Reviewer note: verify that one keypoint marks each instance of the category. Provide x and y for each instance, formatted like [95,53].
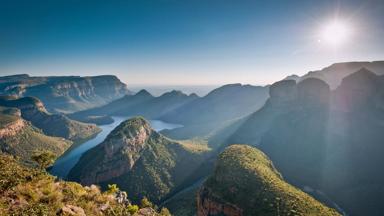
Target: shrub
[43,158]
[145,203]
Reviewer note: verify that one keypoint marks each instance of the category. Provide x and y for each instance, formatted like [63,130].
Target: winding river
[68,160]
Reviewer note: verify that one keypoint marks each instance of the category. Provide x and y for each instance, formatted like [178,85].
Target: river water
[68,160]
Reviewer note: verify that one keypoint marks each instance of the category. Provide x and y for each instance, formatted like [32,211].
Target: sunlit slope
[245,182]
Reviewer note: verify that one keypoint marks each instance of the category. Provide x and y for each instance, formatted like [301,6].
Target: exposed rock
[12,128]
[65,94]
[207,206]
[72,210]
[138,159]
[33,110]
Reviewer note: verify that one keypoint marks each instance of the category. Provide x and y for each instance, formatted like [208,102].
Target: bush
[165,212]
[145,203]
[44,158]
[112,189]
[132,209]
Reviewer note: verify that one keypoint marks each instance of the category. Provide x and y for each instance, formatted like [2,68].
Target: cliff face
[33,110]
[130,142]
[11,129]
[19,138]
[323,137]
[208,205]
[138,159]
[65,94]
[245,182]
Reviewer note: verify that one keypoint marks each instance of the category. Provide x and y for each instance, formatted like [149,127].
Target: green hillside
[140,160]
[21,139]
[245,181]
[33,110]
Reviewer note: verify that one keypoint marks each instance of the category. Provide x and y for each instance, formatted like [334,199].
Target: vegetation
[153,164]
[28,140]
[33,110]
[28,191]
[44,158]
[246,178]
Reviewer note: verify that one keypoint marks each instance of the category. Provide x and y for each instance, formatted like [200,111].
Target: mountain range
[322,139]
[65,94]
[310,145]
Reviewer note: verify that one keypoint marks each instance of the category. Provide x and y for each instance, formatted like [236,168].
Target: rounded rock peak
[313,91]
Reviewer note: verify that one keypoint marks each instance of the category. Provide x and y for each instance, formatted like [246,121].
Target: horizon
[189,43]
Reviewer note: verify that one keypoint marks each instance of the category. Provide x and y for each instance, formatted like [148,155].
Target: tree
[44,158]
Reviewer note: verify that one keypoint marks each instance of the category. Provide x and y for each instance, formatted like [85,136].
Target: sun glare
[335,33]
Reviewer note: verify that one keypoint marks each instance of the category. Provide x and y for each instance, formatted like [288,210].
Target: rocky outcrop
[140,160]
[11,129]
[207,206]
[33,110]
[131,141]
[313,93]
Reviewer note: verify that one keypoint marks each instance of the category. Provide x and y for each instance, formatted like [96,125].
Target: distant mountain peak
[143,92]
[174,93]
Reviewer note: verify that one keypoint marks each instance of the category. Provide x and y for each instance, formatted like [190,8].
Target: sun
[335,33]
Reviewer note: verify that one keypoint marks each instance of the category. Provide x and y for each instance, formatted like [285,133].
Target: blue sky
[184,42]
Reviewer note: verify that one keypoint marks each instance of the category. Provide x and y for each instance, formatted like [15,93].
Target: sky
[185,42]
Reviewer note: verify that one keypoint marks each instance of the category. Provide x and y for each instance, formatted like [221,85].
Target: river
[68,160]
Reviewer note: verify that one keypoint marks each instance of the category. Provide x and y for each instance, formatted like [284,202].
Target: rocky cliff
[65,94]
[33,110]
[327,140]
[19,138]
[12,128]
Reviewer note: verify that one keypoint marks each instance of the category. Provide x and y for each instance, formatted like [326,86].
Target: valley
[295,147]
[68,160]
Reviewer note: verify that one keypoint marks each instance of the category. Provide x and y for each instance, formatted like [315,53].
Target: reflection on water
[69,159]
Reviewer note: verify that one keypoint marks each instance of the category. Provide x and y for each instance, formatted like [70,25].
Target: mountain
[142,103]
[329,142]
[140,160]
[29,191]
[65,94]
[33,110]
[335,73]
[19,138]
[251,128]
[245,182]
[221,105]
